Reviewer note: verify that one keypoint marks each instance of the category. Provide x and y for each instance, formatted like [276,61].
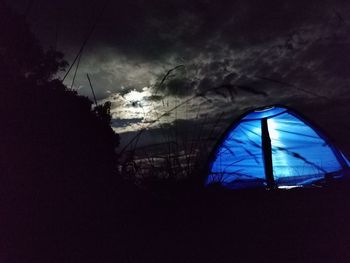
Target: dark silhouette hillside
[56,154]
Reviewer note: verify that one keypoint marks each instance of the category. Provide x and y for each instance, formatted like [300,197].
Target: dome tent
[274,147]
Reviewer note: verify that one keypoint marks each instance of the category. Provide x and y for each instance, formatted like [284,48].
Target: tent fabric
[300,154]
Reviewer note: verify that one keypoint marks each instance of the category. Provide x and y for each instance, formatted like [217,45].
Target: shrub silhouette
[57,153]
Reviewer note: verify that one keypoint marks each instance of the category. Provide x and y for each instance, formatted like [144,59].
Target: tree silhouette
[57,152]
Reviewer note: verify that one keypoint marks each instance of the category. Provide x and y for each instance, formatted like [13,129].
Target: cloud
[135,43]
[117,122]
[294,51]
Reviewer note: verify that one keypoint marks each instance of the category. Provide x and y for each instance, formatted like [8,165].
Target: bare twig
[166,76]
[294,87]
[92,89]
[86,40]
[75,72]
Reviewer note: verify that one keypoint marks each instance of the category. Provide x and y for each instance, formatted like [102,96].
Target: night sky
[286,52]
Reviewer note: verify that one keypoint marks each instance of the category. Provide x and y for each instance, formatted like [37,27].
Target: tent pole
[267,154]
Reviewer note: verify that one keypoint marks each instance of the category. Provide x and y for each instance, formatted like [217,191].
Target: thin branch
[294,87]
[86,40]
[75,72]
[92,89]
[166,76]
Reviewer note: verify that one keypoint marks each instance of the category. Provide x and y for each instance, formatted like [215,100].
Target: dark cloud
[296,52]
[117,122]
[154,98]
[154,29]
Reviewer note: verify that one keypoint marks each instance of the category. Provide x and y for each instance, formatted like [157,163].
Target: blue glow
[299,155]
[239,159]
[261,113]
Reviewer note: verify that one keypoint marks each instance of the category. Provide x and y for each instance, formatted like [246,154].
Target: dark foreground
[130,225]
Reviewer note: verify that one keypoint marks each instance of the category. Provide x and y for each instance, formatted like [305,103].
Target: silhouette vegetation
[61,199]
[45,123]
[57,150]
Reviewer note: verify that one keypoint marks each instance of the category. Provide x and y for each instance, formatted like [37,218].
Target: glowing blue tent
[274,147]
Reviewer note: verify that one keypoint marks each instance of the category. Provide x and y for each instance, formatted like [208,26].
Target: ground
[132,225]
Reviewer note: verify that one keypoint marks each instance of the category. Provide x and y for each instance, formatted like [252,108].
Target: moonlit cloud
[295,52]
